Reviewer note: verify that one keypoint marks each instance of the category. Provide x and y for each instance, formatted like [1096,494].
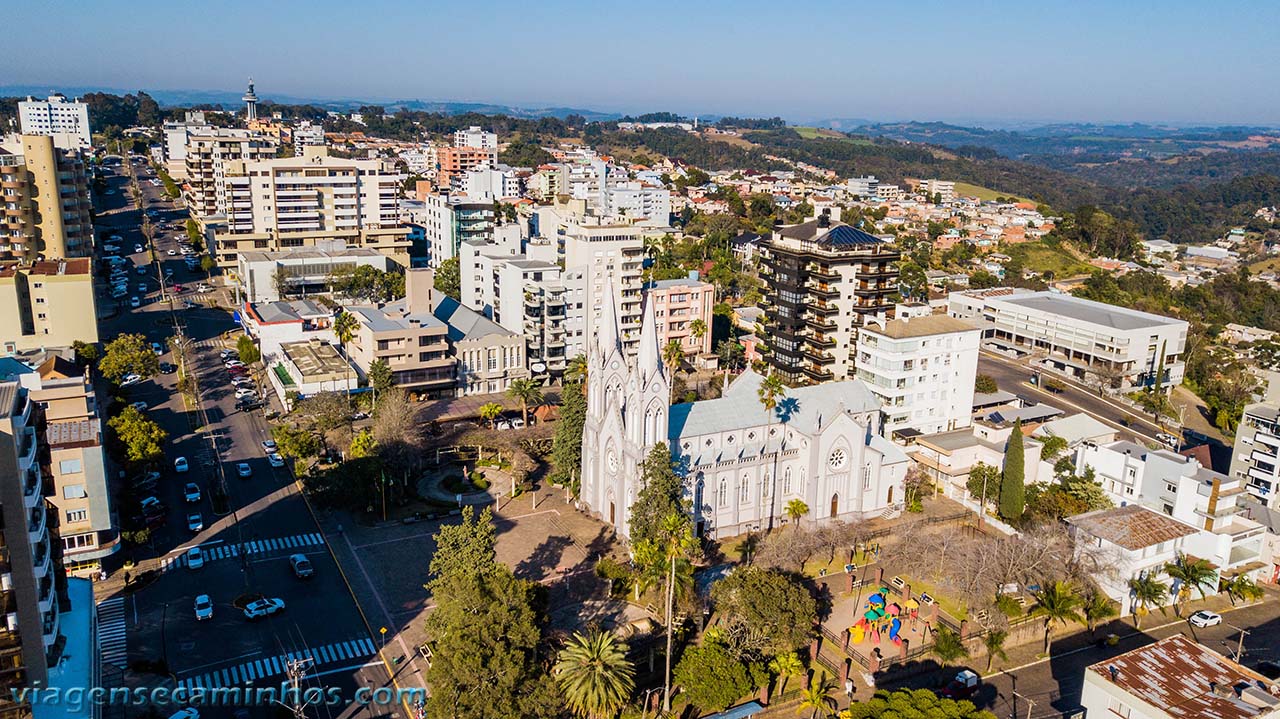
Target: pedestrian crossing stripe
[239,674]
[257,546]
[113,645]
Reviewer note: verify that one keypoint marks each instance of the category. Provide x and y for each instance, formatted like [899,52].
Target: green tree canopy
[985,384]
[128,354]
[661,495]
[770,602]
[449,278]
[913,703]
[1013,479]
[711,677]
[295,442]
[142,438]
[566,450]
[247,349]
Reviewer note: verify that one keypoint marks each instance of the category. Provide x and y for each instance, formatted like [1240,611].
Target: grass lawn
[1039,257]
[984,193]
[1271,264]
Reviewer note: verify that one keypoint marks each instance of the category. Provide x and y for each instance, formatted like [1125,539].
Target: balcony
[821,324]
[822,358]
[27,453]
[816,373]
[821,307]
[870,290]
[882,273]
[822,290]
[1259,456]
[826,274]
[1258,474]
[35,524]
[818,340]
[1267,439]
[31,488]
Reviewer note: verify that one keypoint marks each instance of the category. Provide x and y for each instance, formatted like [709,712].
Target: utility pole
[1030,704]
[1240,643]
[294,670]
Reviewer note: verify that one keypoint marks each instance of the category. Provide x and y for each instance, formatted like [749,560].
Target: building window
[722,496]
[77,515]
[74,491]
[744,490]
[786,482]
[70,466]
[866,477]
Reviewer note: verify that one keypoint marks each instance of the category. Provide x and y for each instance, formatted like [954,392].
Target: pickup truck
[964,686]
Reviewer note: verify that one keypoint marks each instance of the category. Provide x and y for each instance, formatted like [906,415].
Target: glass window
[73,491]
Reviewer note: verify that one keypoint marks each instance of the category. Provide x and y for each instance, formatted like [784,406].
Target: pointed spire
[607,332]
[650,357]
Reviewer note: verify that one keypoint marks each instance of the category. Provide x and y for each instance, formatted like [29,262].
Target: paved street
[247,546]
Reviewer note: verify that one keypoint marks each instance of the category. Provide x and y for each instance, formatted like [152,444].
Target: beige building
[313,201]
[44,201]
[409,338]
[48,304]
[208,154]
[676,304]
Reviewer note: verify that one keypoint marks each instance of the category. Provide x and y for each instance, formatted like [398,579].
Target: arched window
[786,483]
[764,489]
[697,495]
[744,489]
[722,498]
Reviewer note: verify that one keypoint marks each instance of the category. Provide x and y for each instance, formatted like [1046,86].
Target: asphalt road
[247,548]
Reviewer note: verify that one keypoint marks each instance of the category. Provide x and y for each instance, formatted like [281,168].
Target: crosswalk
[256,547]
[358,649]
[112,645]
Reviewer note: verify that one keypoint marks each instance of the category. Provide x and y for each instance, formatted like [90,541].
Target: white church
[742,464]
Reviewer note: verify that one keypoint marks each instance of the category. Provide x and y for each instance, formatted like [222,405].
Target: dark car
[244,405]
[167,368]
[964,685]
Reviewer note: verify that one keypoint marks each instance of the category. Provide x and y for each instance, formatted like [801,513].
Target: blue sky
[1171,61]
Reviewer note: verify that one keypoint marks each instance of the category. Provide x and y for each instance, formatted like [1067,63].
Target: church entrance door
[835,505]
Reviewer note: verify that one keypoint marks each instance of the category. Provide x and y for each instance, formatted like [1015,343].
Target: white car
[275,459]
[204,610]
[1205,618]
[134,302]
[245,393]
[137,248]
[195,522]
[129,379]
[269,445]
[232,362]
[1168,440]
[172,252]
[180,465]
[111,248]
[202,287]
[139,405]
[191,492]
[263,608]
[142,288]
[195,558]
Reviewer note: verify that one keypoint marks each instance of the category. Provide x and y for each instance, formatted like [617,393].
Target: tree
[86,354]
[128,354]
[247,349]
[1147,592]
[575,370]
[661,495]
[796,509]
[913,703]
[1052,447]
[1191,573]
[208,264]
[526,392]
[142,438]
[1057,602]
[448,278]
[1013,478]
[711,677]
[362,445]
[490,412]
[771,392]
[983,483]
[993,642]
[785,666]
[396,431]
[732,354]
[947,645]
[1243,588]
[1096,607]
[772,604]
[672,356]
[566,449]
[344,328]
[816,698]
[674,542]
[595,675]
[381,378]
[698,329]
[295,442]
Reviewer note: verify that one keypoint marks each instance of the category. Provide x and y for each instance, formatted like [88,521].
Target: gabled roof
[464,322]
[806,409]
[1132,526]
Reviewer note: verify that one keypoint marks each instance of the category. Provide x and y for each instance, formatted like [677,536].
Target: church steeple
[649,360]
[607,332]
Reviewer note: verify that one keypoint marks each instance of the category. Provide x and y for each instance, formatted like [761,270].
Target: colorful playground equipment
[879,617]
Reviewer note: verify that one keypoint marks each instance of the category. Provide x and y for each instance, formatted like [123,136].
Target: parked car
[1205,618]
[275,459]
[191,492]
[130,379]
[134,302]
[225,355]
[1169,440]
[137,248]
[269,445]
[964,685]
[157,348]
[263,608]
[302,568]
[202,287]
[141,270]
[139,405]
[243,470]
[180,465]
[195,558]
[244,405]
[168,368]
[204,610]
[195,522]
[150,505]
[245,393]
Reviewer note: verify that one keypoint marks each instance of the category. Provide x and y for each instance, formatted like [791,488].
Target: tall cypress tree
[566,452]
[1013,477]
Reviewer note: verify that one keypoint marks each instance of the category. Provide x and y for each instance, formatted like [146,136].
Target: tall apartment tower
[208,154]
[44,201]
[30,584]
[1256,457]
[57,116]
[250,104]
[826,280]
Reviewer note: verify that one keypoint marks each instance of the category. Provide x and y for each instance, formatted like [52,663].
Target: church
[742,464]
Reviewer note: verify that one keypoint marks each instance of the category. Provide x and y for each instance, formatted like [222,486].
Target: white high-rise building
[922,369]
[56,116]
[1256,459]
[476,137]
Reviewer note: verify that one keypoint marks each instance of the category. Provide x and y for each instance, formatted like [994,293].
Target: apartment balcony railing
[816,373]
[821,307]
[822,272]
[821,289]
[817,339]
[822,358]
[819,323]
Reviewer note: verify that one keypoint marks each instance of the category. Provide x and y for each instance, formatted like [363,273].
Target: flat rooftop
[315,359]
[1132,526]
[1189,681]
[921,327]
[1082,310]
[307,253]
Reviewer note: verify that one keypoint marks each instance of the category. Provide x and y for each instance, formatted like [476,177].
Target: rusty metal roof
[1190,681]
[1132,526]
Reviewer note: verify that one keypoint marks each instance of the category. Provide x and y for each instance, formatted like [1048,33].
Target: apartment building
[945,190]
[454,161]
[56,116]
[309,201]
[311,366]
[450,219]
[1180,487]
[1256,457]
[409,338]
[1113,346]
[177,133]
[489,356]
[44,197]
[30,577]
[274,324]
[306,135]
[475,137]
[209,153]
[862,187]
[923,369]
[488,183]
[638,202]
[48,304]
[606,255]
[300,272]
[1133,541]
[1177,678]
[676,305]
[825,280]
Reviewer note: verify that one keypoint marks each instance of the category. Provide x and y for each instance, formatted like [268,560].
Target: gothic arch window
[722,498]
[744,489]
[697,493]
[786,483]
[866,476]
[764,489]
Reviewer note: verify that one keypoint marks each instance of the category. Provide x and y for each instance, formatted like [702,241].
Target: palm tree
[526,392]
[771,392]
[1096,607]
[1243,588]
[595,675]
[1147,592]
[796,509]
[785,665]
[490,413]
[817,697]
[994,642]
[1056,603]
[672,356]
[576,369]
[344,328]
[1190,573]
[698,329]
[676,540]
[947,645]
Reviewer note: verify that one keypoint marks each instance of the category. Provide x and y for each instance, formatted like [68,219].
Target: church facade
[742,464]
